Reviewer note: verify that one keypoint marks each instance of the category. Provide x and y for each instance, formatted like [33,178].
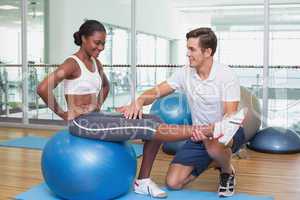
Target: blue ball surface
[275,140]
[77,168]
[173,109]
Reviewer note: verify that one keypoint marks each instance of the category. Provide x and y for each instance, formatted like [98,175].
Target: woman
[86,87]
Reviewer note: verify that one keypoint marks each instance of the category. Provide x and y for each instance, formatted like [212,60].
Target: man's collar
[212,73]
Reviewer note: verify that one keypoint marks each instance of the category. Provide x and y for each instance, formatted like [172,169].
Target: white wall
[65,16]
[158,17]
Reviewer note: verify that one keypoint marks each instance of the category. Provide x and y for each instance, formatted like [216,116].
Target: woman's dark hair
[87,29]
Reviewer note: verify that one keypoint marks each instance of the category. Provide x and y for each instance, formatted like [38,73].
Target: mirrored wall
[160,48]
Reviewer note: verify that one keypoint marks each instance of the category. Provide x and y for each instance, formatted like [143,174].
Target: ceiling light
[17,22]
[36,13]
[237,7]
[8,7]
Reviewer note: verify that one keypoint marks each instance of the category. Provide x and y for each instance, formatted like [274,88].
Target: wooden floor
[259,174]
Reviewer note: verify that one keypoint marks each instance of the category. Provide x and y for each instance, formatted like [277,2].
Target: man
[213,93]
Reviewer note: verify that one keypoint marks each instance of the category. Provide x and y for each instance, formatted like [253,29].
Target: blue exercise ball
[172,109]
[275,140]
[76,168]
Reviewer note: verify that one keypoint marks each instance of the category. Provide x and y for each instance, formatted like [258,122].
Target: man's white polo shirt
[206,97]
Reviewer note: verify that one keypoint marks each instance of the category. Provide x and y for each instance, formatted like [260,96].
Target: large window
[160,41]
[284,89]
[162,51]
[151,50]
[10,53]
[120,48]
[145,49]
[240,48]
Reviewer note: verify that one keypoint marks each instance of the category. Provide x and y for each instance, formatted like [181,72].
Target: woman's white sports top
[87,83]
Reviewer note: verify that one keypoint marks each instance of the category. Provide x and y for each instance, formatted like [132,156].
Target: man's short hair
[207,38]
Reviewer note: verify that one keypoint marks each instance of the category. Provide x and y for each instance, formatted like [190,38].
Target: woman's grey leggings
[114,127]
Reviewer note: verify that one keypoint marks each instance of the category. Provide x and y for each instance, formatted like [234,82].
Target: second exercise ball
[173,109]
[276,140]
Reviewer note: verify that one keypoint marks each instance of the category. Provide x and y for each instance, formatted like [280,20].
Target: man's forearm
[148,97]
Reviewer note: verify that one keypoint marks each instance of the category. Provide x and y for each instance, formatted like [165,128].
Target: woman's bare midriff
[81,104]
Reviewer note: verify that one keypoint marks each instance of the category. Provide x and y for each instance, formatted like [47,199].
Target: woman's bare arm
[46,87]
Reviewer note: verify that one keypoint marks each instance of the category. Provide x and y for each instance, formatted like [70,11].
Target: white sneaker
[229,126]
[148,187]
[227,184]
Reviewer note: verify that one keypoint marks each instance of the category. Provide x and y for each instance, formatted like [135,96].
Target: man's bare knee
[173,183]
[215,149]
[177,176]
